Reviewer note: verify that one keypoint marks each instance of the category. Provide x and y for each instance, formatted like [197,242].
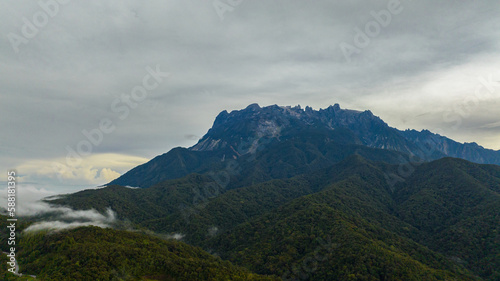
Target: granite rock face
[254,122]
[237,134]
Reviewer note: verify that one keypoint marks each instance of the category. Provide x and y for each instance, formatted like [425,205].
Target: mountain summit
[279,122]
[269,188]
[309,138]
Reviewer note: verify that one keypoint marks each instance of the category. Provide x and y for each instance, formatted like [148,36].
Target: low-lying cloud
[176,236]
[29,204]
[72,219]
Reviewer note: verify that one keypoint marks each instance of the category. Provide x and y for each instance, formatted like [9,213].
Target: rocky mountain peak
[255,122]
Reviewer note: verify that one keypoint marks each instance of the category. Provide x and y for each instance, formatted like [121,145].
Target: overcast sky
[71,66]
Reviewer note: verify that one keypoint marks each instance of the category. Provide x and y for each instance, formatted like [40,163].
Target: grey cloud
[29,204]
[271,52]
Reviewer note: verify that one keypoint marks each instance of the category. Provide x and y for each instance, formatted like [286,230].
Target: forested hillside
[93,253]
[439,222]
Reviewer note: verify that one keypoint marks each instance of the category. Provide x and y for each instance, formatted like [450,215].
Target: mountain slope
[245,133]
[354,226]
[368,130]
[93,253]
[457,208]
[264,183]
[138,204]
[193,204]
[177,163]
[106,254]
[293,154]
[450,206]
[436,144]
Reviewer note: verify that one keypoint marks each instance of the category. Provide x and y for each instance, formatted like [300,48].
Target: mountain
[440,222]
[332,133]
[468,151]
[275,122]
[319,195]
[447,206]
[457,209]
[93,253]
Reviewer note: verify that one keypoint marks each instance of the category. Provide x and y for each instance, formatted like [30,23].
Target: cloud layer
[29,204]
[85,63]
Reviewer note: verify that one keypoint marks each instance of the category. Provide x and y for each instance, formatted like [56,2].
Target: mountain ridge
[242,133]
[438,224]
[335,117]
